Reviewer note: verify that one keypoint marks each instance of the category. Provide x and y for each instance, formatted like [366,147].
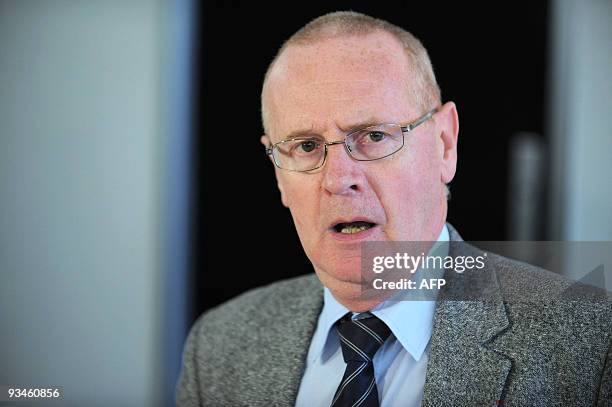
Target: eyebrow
[362,124]
[356,126]
[301,133]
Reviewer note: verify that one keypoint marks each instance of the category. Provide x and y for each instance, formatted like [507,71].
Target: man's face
[328,89]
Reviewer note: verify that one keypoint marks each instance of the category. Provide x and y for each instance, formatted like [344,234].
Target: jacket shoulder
[524,282]
[258,337]
[262,303]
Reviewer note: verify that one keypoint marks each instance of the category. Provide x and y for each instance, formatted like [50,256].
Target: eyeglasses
[303,154]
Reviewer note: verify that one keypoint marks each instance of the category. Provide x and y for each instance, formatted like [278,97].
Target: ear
[448,126]
[265,140]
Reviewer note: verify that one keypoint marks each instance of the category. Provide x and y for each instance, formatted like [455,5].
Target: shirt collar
[411,322]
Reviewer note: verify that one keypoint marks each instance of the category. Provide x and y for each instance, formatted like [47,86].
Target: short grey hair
[424,90]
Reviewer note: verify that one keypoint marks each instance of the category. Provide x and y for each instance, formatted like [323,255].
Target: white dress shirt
[399,365]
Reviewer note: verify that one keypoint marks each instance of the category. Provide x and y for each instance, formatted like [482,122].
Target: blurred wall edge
[84,168]
[180,62]
[580,120]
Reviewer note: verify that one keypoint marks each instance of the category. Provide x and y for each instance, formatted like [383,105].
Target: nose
[341,174]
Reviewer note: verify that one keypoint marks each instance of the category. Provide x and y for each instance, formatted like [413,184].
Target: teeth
[353,229]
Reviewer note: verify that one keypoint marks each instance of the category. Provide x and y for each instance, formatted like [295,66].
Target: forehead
[338,82]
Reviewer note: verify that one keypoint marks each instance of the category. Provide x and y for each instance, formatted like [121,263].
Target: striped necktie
[360,338]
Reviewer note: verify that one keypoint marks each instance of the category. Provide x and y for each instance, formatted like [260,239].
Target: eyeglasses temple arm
[420,120]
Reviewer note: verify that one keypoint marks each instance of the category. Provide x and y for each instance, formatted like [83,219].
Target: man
[317,340]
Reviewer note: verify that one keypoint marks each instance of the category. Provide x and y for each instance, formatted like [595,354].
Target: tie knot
[361,338]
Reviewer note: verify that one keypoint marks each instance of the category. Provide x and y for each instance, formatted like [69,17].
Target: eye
[376,136]
[303,147]
[307,146]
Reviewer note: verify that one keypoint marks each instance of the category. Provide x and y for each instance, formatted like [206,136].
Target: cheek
[302,199]
[413,190]
[425,167]
[404,199]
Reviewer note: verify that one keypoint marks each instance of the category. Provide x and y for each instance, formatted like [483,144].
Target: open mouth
[353,227]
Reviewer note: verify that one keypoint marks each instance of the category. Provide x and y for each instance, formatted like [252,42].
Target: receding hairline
[343,24]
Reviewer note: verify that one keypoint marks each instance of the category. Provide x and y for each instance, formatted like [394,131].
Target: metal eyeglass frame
[405,129]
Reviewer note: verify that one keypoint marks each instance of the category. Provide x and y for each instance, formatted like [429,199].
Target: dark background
[489,58]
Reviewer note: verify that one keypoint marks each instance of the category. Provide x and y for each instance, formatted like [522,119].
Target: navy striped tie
[360,339]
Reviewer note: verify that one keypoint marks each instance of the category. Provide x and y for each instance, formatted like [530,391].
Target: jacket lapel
[463,369]
[289,338]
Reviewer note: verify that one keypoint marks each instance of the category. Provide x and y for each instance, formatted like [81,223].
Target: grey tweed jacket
[527,341]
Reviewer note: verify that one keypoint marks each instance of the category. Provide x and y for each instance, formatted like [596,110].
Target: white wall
[80,164]
[581,120]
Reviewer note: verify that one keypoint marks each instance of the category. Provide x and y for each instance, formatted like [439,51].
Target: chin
[345,292]
[347,272]
[347,279]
